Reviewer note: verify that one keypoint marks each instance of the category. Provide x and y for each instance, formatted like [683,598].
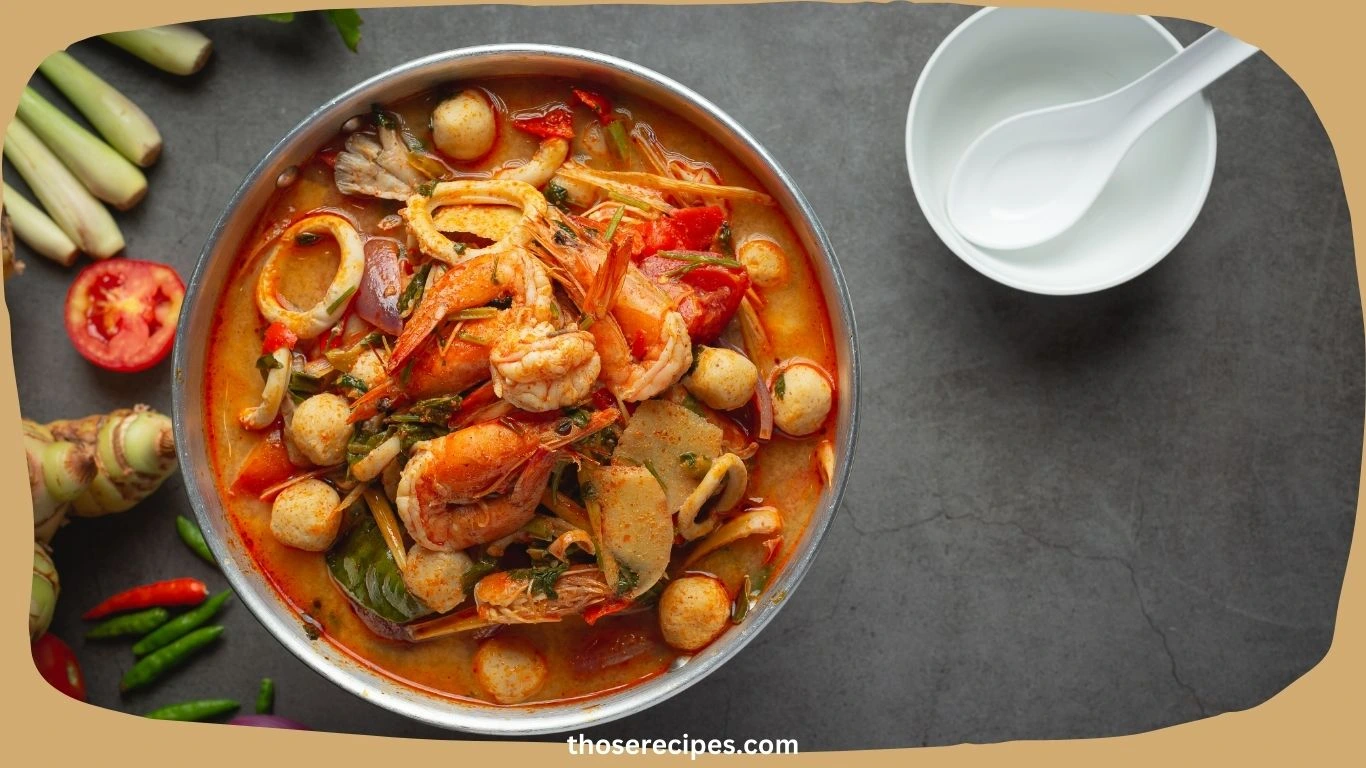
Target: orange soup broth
[783,474]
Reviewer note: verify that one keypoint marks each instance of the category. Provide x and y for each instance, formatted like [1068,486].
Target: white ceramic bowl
[1003,61]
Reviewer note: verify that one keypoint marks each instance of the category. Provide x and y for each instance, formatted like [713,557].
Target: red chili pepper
[552,122]
[162,593]
[603,398]
[278,337]
[606,608]
[638,345]
[601,105]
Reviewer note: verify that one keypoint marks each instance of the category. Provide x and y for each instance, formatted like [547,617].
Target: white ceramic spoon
[1030,177]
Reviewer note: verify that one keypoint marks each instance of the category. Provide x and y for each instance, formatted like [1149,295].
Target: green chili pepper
[181,625]
[152,666]
[194,539]
[265,698]
[194,710]
[130,624]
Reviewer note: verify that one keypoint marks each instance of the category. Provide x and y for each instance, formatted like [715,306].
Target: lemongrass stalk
[83,218]
[178,48]
[37,230]
[126,127]
[107,174]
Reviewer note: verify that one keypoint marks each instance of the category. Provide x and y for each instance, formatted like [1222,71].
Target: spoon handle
[1184,75]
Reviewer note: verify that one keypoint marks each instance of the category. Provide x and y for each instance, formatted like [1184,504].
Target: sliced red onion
[269,721]
[763,403]
[377,298]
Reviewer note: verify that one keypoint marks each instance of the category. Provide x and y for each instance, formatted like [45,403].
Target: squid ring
[418,214]
[312,322]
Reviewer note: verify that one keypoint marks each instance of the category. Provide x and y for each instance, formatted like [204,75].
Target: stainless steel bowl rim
[279,619]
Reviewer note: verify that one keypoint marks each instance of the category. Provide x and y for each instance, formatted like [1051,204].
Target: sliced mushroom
[725,482]
[377,165]
[755,522]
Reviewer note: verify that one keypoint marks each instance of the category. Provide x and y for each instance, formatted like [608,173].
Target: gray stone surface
[1067,517]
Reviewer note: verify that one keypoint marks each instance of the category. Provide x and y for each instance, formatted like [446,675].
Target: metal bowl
[207,285]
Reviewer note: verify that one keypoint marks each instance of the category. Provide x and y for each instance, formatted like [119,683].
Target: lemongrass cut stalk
[126,127]
[83,218]
[107,174]
[178,48]
[37,230]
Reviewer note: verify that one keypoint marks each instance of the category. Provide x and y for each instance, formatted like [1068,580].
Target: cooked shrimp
[539,368]
[507,597]
[471,284]
[483,482]
[626,306]
[446,366]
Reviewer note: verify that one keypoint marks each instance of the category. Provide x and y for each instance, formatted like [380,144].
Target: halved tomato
[121,313]
[707,296]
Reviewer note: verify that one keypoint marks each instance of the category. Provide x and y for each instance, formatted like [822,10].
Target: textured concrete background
[1067,517]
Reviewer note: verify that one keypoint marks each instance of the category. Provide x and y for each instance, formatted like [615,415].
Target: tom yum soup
[520,391]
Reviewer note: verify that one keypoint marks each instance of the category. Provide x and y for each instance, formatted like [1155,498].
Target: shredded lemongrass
[634,202]
[612,227]
[699,258]
[388,524]
[476,313]
[268,493]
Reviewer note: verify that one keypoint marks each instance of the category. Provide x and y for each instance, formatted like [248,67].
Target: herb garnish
[612,227]
[347,381]
[780,386]
[542,577]
[268,362]
[341,300]
[627,579]
[412,293]
[382,118]
[725,239]
[557,196]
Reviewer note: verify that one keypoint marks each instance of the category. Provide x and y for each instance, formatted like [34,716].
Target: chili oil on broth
[784,473]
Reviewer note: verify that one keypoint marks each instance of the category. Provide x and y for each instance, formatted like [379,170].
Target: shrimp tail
[367,405]
[602,294]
